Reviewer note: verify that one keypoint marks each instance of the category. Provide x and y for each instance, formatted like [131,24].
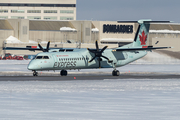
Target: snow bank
[12,39]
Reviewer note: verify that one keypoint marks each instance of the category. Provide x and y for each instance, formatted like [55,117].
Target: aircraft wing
[34,49]
[21,48]
[39,47]
[140,49]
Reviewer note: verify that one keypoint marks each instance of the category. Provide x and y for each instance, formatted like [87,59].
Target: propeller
[98,54]
[47,48]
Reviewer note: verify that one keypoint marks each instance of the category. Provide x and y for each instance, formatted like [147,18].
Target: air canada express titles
[65,64]
[117,28]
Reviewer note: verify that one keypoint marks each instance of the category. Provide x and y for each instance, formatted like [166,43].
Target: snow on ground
[124,99]
[120,99]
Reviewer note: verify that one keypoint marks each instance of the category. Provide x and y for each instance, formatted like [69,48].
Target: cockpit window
[45,57]
[42,57]
[39,57]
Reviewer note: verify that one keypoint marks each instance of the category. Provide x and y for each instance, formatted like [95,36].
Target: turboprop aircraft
[68,59]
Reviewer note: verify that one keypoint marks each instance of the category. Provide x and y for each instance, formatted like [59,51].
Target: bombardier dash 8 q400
[67,59]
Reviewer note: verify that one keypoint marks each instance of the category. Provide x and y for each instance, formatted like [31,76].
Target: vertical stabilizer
[141,36]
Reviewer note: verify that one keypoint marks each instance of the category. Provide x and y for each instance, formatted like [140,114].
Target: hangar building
[70,33]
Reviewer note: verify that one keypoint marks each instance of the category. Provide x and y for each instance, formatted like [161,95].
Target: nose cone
[32,66]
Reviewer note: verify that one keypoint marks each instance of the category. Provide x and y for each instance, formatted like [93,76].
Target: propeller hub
[98,53]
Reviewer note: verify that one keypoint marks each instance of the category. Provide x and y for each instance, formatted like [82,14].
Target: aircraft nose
[31,67]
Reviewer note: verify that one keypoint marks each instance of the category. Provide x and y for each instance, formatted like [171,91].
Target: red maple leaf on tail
[143,38]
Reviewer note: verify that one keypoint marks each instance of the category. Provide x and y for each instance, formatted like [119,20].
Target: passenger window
[45,57]
[39,57]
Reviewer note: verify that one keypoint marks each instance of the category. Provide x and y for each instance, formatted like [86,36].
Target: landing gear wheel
[35,73]
[63,73]
[115,73]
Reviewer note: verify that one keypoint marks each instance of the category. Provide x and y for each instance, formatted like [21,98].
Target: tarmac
[88,77]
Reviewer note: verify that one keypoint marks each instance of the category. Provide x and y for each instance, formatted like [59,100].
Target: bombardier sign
[117,28]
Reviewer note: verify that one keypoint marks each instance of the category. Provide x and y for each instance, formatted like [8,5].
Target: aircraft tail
[141,36]
[140,39]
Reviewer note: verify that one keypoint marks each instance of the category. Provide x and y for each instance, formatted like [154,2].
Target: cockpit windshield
[42,57]
[39,57]
[45,57]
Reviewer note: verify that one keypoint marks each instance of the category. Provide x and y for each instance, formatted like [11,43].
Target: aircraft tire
[35,73]
[115,73]
[63,73]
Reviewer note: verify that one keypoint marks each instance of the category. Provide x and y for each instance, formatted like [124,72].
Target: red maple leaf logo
[143,38]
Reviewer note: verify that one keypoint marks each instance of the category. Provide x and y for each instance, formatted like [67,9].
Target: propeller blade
[41,47]
[105,57]
[91,50]
[92,59]
[99,62]
[97,47]
[103,49]
[47,48]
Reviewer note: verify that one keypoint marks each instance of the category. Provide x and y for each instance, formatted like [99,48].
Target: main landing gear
[35,73]
[115,72]
[63,73]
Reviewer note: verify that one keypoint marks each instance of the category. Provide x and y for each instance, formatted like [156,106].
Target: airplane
[71,59]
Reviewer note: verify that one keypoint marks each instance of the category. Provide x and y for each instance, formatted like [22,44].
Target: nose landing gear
[35,73]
